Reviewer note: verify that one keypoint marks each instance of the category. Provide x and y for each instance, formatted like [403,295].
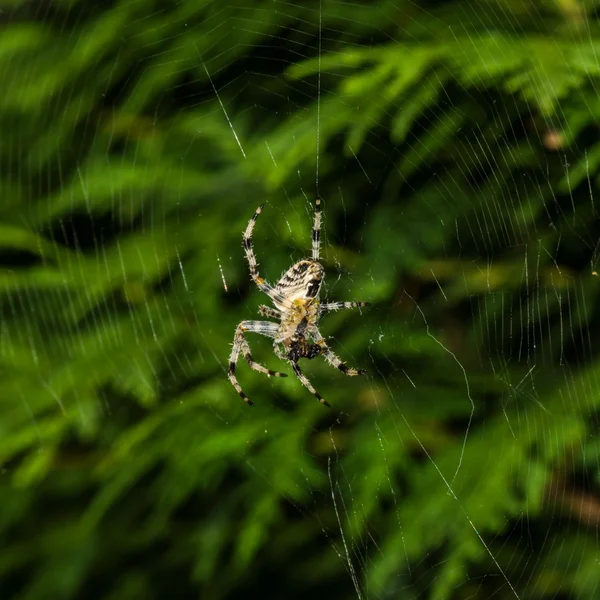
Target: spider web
[456,152]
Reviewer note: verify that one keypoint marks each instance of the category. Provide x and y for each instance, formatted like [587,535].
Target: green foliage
[459,160]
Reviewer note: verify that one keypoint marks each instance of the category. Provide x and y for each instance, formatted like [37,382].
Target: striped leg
[332,306]
[257,366]
[241,345]
[331,357]
[270,313]
[305,382]
[251,257]
[316,232]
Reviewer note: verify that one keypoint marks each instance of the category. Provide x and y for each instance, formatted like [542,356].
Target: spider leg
[331,357]
[306,383]
[257,366]
[279,353]
[253,264]
[267,311]
[241,345]
[332,306]
[316,231]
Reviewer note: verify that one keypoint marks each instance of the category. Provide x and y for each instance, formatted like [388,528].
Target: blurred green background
[458,161]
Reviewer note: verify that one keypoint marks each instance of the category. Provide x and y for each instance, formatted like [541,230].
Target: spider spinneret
[298,310]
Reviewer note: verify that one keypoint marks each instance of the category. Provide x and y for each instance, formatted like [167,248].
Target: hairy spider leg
[279,352]
[332,306]
[240,344]
[270,313]
[316,231]
[306,383]
[253,264]
[331,357]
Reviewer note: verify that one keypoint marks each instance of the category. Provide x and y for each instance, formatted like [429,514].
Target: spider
[297,308]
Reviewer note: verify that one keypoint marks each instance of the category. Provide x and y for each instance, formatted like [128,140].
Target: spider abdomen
[301,281]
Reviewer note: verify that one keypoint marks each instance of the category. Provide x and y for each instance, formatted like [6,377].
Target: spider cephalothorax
[297,308]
